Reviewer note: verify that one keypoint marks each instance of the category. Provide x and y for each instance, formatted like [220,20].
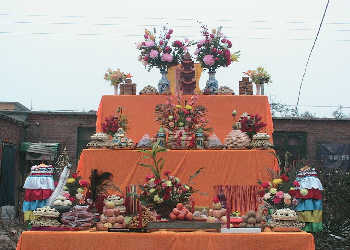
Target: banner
[334,155]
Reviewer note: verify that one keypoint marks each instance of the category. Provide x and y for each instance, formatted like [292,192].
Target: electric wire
[312,48]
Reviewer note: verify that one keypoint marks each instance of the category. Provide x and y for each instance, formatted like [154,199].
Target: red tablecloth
[140,112]
[221,167]
[164,241]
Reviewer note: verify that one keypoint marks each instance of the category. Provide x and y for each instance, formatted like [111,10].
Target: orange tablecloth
[222,167]
[164,241]
[140,112]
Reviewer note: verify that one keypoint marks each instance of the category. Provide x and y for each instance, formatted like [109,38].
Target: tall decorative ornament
[62,163]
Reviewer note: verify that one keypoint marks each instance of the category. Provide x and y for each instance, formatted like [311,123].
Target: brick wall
[318,130]
[56,127]
[11,130]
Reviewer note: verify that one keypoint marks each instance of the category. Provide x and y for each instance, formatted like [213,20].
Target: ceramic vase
[164,83]
[212,84]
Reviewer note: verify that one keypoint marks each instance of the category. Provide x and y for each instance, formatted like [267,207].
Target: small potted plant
[259,77]
[116,77]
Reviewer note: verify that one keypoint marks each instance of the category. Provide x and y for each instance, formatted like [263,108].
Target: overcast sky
[54,53]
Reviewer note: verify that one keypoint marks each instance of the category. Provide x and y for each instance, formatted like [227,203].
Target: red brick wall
[61,128]
[335,131]
[11,131]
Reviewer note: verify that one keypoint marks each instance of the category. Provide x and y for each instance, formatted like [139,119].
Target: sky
[53,54]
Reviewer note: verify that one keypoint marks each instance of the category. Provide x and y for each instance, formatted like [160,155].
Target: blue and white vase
[164,83]
[212,85]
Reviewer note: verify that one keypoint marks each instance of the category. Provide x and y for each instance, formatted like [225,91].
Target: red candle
[228,211]
[140,214]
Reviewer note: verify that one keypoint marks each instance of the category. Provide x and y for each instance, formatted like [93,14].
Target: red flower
[158,181]
[83,183]
[167,36]
[284,177]
[216,199]
[276,200]
[149,177]
[265,184]
[161,42]
[72,199]
[74,175]
[170,31]
[211,35]
[296,184]
[261,193]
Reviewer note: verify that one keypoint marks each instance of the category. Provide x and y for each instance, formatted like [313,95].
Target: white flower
[79,196]
[156,198]
[187,187]
[152,190]
[177,180]
[168,183]
[287,196]
[267,196]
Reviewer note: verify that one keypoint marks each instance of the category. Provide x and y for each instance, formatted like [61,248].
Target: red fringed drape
[243,198]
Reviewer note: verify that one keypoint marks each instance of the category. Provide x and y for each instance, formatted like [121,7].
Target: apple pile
[111,217]
[180,213]
[217,214]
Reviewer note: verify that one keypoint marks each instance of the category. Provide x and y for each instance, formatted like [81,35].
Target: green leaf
[145,165]
[194,175]
[162,164]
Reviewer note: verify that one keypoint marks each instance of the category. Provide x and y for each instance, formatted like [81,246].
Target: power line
[312,48]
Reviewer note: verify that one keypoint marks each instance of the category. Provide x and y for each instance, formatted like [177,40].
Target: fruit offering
[180,213]
[217,213]
[112,216]
[251,219]
[78,217]
[147,217]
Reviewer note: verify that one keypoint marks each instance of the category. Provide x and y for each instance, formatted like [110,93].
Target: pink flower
[188,119]
[196,51]
[209,60]
[211,35]
[167,36]
[201,42]
[167,57]
[170,31]
[153,54]
[66,195]
[223,40]
[276,200]
[279,194]
[161,42]
[146,36]
[149,177]
[149,43]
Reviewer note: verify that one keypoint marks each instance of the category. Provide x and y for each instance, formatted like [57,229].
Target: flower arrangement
[181,113]
[259,76]
[163,192]
[75,188]
[113,123]
[275,193]
[251,124]
[213,51]
[116,76]
[159,51]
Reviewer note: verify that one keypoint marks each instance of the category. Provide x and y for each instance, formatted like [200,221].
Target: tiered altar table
[164,241]
[221,167]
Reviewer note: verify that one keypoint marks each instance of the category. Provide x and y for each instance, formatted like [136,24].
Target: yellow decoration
[276,182]
[310,216]
[70,180]
[189,107]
